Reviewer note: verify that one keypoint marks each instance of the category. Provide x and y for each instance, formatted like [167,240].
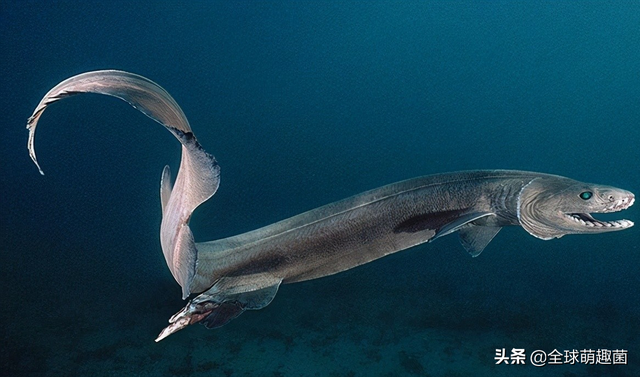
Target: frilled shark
[243,272]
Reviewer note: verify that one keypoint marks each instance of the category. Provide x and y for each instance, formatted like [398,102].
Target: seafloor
[389,318]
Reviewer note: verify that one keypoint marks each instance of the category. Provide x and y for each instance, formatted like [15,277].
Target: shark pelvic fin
[226,300]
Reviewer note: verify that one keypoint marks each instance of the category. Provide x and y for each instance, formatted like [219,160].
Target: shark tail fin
[198,175]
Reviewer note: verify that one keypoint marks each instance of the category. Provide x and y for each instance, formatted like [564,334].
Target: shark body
[244,272]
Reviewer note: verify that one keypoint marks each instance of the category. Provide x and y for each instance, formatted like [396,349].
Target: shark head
[550,207]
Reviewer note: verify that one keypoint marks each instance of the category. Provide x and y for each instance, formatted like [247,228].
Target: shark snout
[621,203]
[618,200]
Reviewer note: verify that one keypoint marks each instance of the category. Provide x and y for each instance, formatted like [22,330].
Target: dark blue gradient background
[304,103]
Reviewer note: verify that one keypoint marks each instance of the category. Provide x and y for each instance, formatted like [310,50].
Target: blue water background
[304,103]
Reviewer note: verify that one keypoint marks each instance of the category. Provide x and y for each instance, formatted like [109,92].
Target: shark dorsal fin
[165,187]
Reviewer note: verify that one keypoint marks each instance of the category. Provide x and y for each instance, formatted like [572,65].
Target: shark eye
[586,195]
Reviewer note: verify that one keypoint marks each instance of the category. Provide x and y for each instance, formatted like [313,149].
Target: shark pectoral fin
[223,302]
[165,187]
[474,238]
[459,222]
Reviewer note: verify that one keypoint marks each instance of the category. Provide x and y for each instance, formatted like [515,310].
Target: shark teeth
[586,220]
[620,204]
[589,221]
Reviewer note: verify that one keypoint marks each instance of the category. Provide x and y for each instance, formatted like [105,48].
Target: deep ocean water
[304,103]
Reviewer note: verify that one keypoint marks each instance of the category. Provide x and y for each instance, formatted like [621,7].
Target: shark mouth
[589,221]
